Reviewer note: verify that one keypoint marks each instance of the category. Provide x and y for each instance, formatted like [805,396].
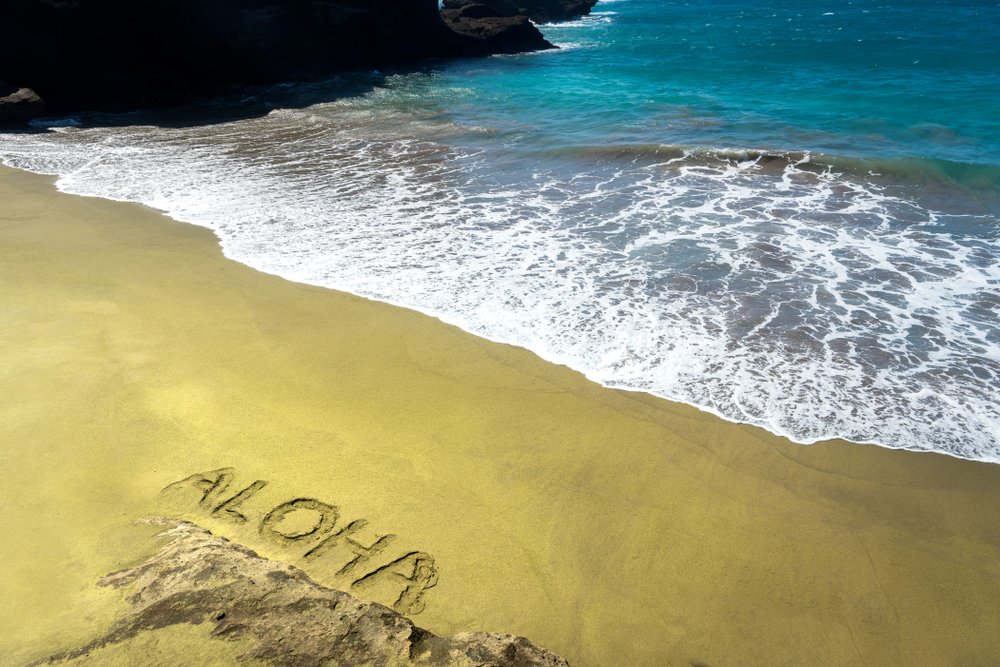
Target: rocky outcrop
[17,104]
[539,11]
[114,55]
[496,33]
[198,578]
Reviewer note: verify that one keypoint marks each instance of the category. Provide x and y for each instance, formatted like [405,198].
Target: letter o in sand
[326,517]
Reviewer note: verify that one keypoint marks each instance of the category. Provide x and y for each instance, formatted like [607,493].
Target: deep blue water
[785,213]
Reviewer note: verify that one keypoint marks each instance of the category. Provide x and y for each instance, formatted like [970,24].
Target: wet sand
[607,526]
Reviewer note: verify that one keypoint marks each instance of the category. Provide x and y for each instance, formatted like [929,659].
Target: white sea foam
[788,297]
[582,22]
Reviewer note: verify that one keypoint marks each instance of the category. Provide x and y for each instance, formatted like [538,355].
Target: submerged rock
[539,11]
[290,619]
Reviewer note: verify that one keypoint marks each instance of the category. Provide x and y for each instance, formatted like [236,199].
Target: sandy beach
[481,487]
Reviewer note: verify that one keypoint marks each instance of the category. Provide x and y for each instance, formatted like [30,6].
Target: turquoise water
[872,79]
[785,215]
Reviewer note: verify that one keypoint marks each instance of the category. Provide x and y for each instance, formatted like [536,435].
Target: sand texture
[466,484]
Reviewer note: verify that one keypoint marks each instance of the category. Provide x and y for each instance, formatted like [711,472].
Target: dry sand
[610,527]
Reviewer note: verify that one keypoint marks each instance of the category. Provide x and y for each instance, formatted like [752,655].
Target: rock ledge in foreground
[291,620]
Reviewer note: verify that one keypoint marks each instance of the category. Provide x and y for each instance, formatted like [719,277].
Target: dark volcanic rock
[498,7]
[539,11]
[495,32]
[17,104]
[118,55]
[290,619]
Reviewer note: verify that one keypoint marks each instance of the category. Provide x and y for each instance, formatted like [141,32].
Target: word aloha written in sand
[311,523]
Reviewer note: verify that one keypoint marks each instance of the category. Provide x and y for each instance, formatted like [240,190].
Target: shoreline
[605,525]
[466,328]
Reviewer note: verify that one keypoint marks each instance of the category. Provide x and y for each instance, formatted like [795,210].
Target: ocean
[783,213]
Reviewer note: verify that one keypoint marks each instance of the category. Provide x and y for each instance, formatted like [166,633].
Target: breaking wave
[814,296]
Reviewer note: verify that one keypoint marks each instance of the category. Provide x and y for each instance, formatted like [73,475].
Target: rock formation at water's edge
[111,55]
[539,11]
[18,103]
[495,31]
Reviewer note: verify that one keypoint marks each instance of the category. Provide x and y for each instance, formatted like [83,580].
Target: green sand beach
[610,527]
